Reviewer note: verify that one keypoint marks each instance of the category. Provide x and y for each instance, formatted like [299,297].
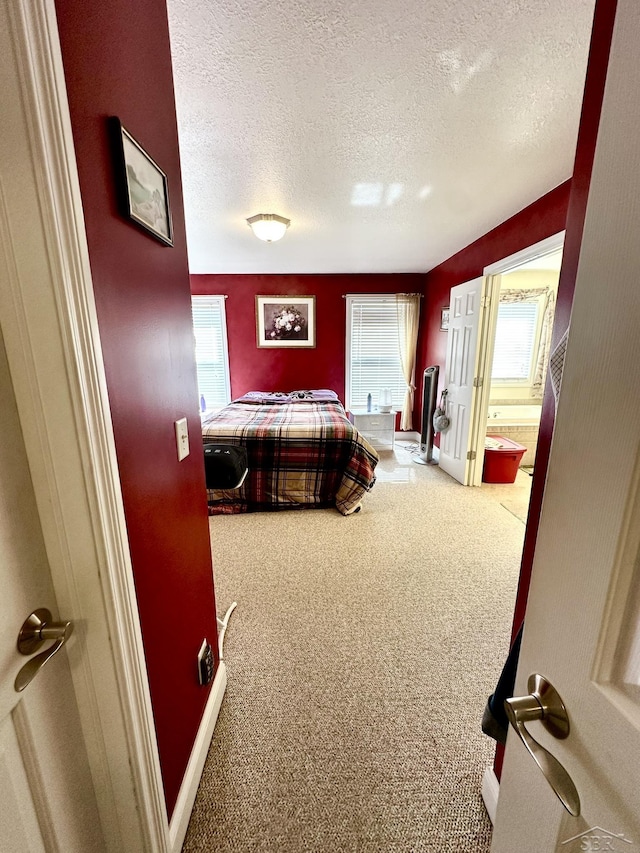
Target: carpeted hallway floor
[360,658]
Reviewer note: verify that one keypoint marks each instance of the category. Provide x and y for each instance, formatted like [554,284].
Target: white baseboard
[490,791]
[189,788]
[407,435]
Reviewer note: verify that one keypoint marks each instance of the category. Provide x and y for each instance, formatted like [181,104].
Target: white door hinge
[486,301]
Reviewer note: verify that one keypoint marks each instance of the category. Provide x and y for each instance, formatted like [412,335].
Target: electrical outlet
[205,662]
[182,438]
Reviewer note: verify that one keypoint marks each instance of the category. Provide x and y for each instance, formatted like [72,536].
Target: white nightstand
[377,427]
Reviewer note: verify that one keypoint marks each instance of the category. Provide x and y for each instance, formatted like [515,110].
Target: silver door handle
[37,628]
[544,703]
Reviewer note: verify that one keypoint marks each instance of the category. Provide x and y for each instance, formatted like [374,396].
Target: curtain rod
[347,295]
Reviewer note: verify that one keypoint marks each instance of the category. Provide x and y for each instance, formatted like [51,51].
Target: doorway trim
[492,273]
[55,358]
[537,250]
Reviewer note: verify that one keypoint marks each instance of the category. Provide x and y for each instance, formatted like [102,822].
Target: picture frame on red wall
[444,319]
[285,321]
[142,185]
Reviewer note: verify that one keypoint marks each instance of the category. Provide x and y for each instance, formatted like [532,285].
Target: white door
[47,800]
[582,625]
[76,730]
[465,315]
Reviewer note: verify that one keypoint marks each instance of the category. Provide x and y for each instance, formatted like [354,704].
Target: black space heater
[429,392]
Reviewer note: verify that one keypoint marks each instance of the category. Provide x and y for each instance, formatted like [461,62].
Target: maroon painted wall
[252,368]
[117,62]
[539,220]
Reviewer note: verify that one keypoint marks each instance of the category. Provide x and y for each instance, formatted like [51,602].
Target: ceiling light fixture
[268,226]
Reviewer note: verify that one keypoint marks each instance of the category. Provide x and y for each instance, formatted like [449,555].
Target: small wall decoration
[143,186]
[444,319]
[286,321]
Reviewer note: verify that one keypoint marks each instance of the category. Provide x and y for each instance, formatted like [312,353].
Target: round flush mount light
[268,226]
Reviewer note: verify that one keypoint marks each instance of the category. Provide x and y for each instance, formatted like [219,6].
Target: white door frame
[55,358]
[492,273]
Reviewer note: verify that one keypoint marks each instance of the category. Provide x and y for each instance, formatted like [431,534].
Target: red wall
[544,217]
[257,369]
[117,62]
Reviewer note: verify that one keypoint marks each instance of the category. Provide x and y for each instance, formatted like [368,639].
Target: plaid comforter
[301,453]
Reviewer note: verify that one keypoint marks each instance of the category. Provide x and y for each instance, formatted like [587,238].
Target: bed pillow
[322,395]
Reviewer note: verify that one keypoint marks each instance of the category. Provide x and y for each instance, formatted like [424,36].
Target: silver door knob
[544,703]
[37,628]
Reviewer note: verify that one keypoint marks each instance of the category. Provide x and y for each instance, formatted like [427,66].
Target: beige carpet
[360,658]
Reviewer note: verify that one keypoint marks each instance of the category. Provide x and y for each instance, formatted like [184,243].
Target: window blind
[373,351]
[515,340]
[212,361]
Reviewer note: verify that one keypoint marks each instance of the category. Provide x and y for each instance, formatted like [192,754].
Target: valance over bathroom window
[518,347]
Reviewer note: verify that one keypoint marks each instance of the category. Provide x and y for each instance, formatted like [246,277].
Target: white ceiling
[392,134]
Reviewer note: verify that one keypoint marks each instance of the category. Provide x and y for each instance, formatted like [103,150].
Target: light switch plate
[182,439]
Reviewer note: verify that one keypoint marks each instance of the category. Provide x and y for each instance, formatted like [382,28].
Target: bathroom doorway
[517,351]
[498,346]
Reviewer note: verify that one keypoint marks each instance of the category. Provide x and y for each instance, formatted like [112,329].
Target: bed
[302,452]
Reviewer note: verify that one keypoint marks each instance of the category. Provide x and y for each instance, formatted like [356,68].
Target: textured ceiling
[391,134]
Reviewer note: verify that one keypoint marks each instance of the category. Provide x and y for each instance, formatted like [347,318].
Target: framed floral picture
[286,321]
[444,319]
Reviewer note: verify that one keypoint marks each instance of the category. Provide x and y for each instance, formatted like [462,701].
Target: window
[517,335]
[373,351]
[212,360]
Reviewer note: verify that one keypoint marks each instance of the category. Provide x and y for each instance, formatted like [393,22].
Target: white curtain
[542,360]
[408,305]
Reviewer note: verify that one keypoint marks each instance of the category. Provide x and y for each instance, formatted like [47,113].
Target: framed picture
[143,186]
[286,321]
[444,319]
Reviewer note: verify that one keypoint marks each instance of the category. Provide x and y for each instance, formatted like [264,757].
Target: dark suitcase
[225,466]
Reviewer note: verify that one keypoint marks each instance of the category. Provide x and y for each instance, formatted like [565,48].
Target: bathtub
[513,416]
[518,423]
